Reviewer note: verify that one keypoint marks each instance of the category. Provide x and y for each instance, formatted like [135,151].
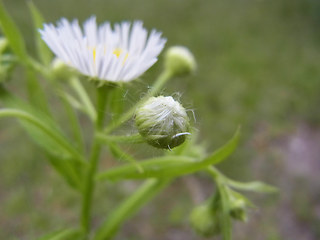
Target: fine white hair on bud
[163,122]
[180,61]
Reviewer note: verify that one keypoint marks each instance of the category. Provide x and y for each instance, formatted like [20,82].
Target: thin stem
[129,207]
[79,89]
[89,187]
[74,123]
[215,173]
[93,161]
[161,80]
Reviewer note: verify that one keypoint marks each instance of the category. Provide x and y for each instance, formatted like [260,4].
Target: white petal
[119,54]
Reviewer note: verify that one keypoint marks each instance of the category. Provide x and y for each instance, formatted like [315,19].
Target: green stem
[161,80]
[93,161]
[89,188]
[215,173]
[79,89]
[74,123]
[129,207]
[38,67]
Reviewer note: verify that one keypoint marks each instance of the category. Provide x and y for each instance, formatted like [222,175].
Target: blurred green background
[258,67]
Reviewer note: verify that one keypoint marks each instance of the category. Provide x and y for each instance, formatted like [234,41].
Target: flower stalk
[89,184]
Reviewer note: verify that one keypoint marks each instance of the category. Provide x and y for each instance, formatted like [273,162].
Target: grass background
[258,67]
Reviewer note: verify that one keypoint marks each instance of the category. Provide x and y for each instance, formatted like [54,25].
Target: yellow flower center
[117,52]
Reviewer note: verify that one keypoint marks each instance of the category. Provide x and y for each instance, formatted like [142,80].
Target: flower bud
[179,61]
[163,122]
[238,210]
[204,221]
[60,70]
[3,44]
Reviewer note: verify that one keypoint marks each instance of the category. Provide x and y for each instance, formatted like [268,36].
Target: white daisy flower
[120,54]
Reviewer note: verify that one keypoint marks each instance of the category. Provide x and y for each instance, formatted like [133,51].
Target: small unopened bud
[238,210]
[204,221]
[3,44]
[163,122]
[60,70]
[179,61]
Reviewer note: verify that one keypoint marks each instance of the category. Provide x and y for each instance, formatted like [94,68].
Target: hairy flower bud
[163,122]
[179,61]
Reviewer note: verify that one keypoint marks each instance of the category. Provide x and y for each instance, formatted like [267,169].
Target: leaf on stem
[254,186]
[129,207]
[35,92]
[48,138]
[65,234]
[169,166]
[118,153]
[43,51]
[13,34]
[71,174]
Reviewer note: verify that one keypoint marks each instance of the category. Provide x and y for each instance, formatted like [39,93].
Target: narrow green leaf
[129,207]
[155,167]
[254,186]
[43,130]
[13,34]
[43,51]
[40,126]
[118,153]
[35,92]
[66,234]
[169,166]
[67,171]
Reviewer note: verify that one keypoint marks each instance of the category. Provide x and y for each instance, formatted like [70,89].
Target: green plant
[67,154]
